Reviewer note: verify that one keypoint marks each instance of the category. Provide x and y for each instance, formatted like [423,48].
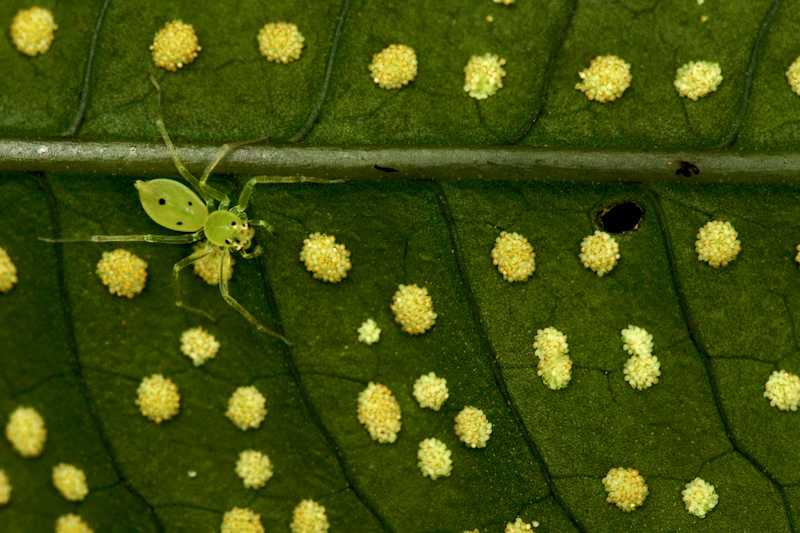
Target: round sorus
[32,30]
[5,488]
[793,75]
[434,459]
[369,332]
[431,391]
[783,390]
[26,432]
[472,427]
[483,75]
[518,526]
[717,243]
[158,398]
[413,309]
[175,45]
[636,341]
[394,66]
[208,266]
[699,497]
[606,78]
[325,259]
[72,523]
[70,482]
[254,468]
[600,252]
[514,257]
[281,42]
[379,412]
[239,520]
[247,408]
[696,79]
[199,345]
[309,517]
[642,371]
[626,488]
[8,272]
[124,273]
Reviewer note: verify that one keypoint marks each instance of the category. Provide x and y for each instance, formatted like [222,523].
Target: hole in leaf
[621,217]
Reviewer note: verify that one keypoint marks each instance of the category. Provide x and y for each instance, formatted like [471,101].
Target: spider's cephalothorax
[226,230]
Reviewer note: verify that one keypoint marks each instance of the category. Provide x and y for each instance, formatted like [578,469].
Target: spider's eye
[233,223]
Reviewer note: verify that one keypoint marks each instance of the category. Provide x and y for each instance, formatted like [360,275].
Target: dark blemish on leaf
[161,201]
[386,169]
[620,217]
[687,169]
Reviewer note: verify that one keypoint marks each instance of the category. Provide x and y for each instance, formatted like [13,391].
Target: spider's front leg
[180,265]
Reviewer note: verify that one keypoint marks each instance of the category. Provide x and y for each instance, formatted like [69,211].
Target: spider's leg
[225,150]
[186,261]
[244,198]
[223,288]
[206,191]
[162,239]
[255,253]
[262,224]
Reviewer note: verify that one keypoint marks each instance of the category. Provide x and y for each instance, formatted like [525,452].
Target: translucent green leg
[247,191]
[223,288]
[176,285]
[225,150]
[162,239]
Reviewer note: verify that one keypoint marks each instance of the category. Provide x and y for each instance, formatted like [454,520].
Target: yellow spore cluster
[600,252]
[379,412]
[696,79]
[199,345]
[555,365]
[70,482]
[254,468]
[208,267]
[717,243]
[5,488]
[518,526]
[309,517]
[606,78]
[239,520]
[369,332]
[514,257]
[72,523]
[642,369]
[175,45]
[32,30]
[431,391]
[472,427]
[434,459]
[280,42]
[158,398]
[26,432]
[626,488]
[325,259]
[124,273]
[8,272]
[413,309]
[247,408]
[783,390]
[699,497]
[394,66]
[483,75]
[793,75]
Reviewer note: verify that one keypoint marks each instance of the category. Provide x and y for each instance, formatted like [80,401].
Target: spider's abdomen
[172,204]
[225,229]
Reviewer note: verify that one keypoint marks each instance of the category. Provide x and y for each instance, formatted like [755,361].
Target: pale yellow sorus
[369,332]
[555,366]
[797,257]
[325,259]
[431,391]
[158,398]
[8,272]
[413,309]
[504,2]
[70,482]
[483,75]
[783,390]
[394,66]
[514,257]
[606,78]
[247,408]
[32,30]
[637,341]
[280,42]
[600,252]
[208,266]
[26,432]
[642,371]
[124,273]
[472,427]
[699,497]
[696,79]
[793,75]
[254,468]
[518,526]
[239,520]
[5,488]
[175,45]
[434,459]
[72,523]
[379,412]
[309,517]
[626,488]
[199,345]
[717,243]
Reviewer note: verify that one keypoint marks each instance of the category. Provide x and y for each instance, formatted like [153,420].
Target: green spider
[175,206]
